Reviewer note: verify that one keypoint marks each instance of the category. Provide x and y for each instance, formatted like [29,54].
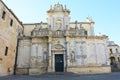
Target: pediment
[58,47]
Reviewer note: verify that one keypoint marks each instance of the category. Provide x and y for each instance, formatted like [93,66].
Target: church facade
[60,45]
[114,50]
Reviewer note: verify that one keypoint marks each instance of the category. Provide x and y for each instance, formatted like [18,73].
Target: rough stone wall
[8,39]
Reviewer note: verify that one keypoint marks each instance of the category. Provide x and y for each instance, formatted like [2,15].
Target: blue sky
[105,13]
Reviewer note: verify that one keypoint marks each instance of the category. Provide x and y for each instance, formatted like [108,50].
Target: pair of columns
[50,67]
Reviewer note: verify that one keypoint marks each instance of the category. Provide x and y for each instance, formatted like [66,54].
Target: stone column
[50,57]
[92,29]
[67,54]
[82,54]
[31,55]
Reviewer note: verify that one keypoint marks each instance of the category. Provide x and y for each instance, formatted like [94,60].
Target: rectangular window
[6,51]
[85,32]
[3,15]
[11,22]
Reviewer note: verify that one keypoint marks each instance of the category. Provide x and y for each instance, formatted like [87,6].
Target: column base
[50,69]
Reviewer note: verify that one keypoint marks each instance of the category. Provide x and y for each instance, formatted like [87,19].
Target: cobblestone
[65,76]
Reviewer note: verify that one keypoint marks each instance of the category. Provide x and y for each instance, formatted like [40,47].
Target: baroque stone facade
[10,27]
[59,45]
[114,52]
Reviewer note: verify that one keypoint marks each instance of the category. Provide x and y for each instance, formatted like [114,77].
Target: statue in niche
[45,56]
[58,24]
[33,61]
[72,56]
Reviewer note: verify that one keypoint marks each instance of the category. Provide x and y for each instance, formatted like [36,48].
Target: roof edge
[12,13]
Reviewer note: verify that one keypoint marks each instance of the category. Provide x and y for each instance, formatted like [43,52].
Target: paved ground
[65,76]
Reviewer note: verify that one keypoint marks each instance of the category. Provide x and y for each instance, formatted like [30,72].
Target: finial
[51,7]
[89,19]
[41,22]
[76,22]
[76,25]
[80,26]
[65,7]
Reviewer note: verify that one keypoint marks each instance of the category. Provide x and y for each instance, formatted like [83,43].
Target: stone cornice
[53,11]
[30,37]
[82,22]
[44,23]
[86,37]
[96,37]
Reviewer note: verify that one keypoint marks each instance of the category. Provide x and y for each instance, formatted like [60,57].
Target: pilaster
[67,52]
[49,53]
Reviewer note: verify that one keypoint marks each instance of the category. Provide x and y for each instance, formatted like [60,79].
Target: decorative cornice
[86,37]
[82,22]
[44,23]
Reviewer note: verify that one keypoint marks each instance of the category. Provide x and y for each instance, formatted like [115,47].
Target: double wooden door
[59,63]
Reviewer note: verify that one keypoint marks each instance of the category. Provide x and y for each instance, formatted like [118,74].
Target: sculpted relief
[58,47]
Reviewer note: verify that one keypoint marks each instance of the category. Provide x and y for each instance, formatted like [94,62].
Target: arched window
[112,60]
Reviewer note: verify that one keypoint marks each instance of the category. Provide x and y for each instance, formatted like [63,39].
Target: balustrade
[58,33]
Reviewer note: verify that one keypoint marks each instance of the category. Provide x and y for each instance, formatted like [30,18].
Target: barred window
[6,51]
[3,15]
[11,22]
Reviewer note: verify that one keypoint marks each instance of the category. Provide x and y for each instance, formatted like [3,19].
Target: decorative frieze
[57,33]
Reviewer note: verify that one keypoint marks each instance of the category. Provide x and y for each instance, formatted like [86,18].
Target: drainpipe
[15,65]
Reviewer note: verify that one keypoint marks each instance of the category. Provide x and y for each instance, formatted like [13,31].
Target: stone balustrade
[58,33]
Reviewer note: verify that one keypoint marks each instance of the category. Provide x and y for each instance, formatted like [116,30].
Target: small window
[11,22]
[3,15]
[111,51]
[85,32]
[116,50]
[6,51]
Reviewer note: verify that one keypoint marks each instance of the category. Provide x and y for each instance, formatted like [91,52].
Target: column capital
[67,42]
[49,42]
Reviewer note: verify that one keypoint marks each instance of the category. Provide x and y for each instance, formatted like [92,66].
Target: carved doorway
[59,63]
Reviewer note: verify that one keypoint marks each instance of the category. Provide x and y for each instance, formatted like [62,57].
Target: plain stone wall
[90,69]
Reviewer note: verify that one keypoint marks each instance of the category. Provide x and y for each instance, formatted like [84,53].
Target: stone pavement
[64,76]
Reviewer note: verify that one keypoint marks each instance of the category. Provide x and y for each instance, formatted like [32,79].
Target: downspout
[15,65]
